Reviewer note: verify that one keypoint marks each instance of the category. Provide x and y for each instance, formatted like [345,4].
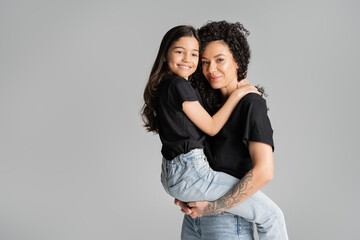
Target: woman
[173,109]
[244,147]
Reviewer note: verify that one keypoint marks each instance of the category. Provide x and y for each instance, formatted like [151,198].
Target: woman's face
[183,56]
[218,65]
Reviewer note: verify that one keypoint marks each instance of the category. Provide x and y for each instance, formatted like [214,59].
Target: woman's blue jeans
[188,177]
[224,226]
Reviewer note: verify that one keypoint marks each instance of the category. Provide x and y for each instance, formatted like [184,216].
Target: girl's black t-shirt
[177,133]
[228,150]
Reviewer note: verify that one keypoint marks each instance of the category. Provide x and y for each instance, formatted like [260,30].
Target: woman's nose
[212,67]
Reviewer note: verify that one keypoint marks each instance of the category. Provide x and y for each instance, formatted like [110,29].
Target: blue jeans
[224,226]
[188,177]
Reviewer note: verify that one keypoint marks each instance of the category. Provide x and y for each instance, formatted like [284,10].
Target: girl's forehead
[186,39]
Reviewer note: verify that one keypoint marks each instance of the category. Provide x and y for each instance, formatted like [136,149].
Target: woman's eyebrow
[218,55]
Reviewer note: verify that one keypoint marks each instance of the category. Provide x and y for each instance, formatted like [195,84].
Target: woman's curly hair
[234,35]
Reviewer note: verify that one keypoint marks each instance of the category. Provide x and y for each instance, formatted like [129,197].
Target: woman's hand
[184,207]
[199,209]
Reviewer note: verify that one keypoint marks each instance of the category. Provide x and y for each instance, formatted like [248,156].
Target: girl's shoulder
[173,78]
[175,81]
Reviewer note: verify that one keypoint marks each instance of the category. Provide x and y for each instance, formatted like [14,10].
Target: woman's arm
[254,180]
[211,125]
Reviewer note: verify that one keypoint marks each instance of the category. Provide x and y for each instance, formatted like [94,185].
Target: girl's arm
[256,178]
[211,125]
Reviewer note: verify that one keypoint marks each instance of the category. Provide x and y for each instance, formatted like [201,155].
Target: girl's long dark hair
[158,72]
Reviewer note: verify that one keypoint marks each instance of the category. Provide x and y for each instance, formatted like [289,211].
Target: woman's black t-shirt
[228,150]
[177,133]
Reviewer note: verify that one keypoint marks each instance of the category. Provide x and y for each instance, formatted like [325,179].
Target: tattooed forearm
[231,198]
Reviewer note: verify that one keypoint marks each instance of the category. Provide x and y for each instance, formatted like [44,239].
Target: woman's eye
[220,60]
[194,55]
[204,62]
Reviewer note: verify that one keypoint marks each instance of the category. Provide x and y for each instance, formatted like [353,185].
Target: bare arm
[211,125]
[256,178]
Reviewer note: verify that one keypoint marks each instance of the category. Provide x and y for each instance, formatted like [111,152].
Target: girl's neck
[185,77]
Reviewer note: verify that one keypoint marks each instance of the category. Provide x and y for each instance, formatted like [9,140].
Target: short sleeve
[257,123]
[182,91]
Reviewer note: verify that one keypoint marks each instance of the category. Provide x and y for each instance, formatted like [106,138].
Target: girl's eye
[194,55]
[178,51]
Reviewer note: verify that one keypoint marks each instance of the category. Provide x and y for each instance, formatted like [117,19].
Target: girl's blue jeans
[188,177]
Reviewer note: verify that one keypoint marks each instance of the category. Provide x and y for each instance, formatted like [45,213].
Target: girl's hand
[244,89]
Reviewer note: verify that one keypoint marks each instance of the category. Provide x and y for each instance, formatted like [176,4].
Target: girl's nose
[186,58]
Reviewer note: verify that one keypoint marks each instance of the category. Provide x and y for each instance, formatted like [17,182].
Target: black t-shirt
[177,133]
[228,150]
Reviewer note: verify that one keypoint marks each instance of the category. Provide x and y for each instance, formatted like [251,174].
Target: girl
[173,109]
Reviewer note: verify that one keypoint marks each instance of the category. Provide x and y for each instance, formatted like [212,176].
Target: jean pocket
[186,191]
[178,189]
[201,166]
[164,184]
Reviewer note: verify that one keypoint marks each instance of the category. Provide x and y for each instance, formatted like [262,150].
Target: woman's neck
[229,89]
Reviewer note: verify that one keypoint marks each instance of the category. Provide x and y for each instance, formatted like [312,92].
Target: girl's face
[183,56]
[219,66]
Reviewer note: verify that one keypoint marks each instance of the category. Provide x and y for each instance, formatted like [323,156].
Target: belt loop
[181,159]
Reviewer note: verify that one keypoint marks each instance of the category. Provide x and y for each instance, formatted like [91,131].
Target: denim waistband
[189,156]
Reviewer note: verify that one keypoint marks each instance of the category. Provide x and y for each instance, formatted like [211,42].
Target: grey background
[75,162]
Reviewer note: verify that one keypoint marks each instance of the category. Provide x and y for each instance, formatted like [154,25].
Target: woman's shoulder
[252,102]
[253,98]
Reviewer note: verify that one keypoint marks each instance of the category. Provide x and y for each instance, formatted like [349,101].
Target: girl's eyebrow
[184,48]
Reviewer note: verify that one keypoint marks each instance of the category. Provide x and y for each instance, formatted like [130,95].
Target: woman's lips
[214,78]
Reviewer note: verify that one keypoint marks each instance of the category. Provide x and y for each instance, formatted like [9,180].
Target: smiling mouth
[184,67]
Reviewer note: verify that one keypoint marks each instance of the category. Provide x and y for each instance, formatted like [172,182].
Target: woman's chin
[214,86]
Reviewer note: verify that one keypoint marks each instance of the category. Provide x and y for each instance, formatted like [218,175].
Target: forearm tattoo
[231,198]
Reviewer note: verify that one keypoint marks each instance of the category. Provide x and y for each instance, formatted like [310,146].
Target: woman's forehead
[216,47]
